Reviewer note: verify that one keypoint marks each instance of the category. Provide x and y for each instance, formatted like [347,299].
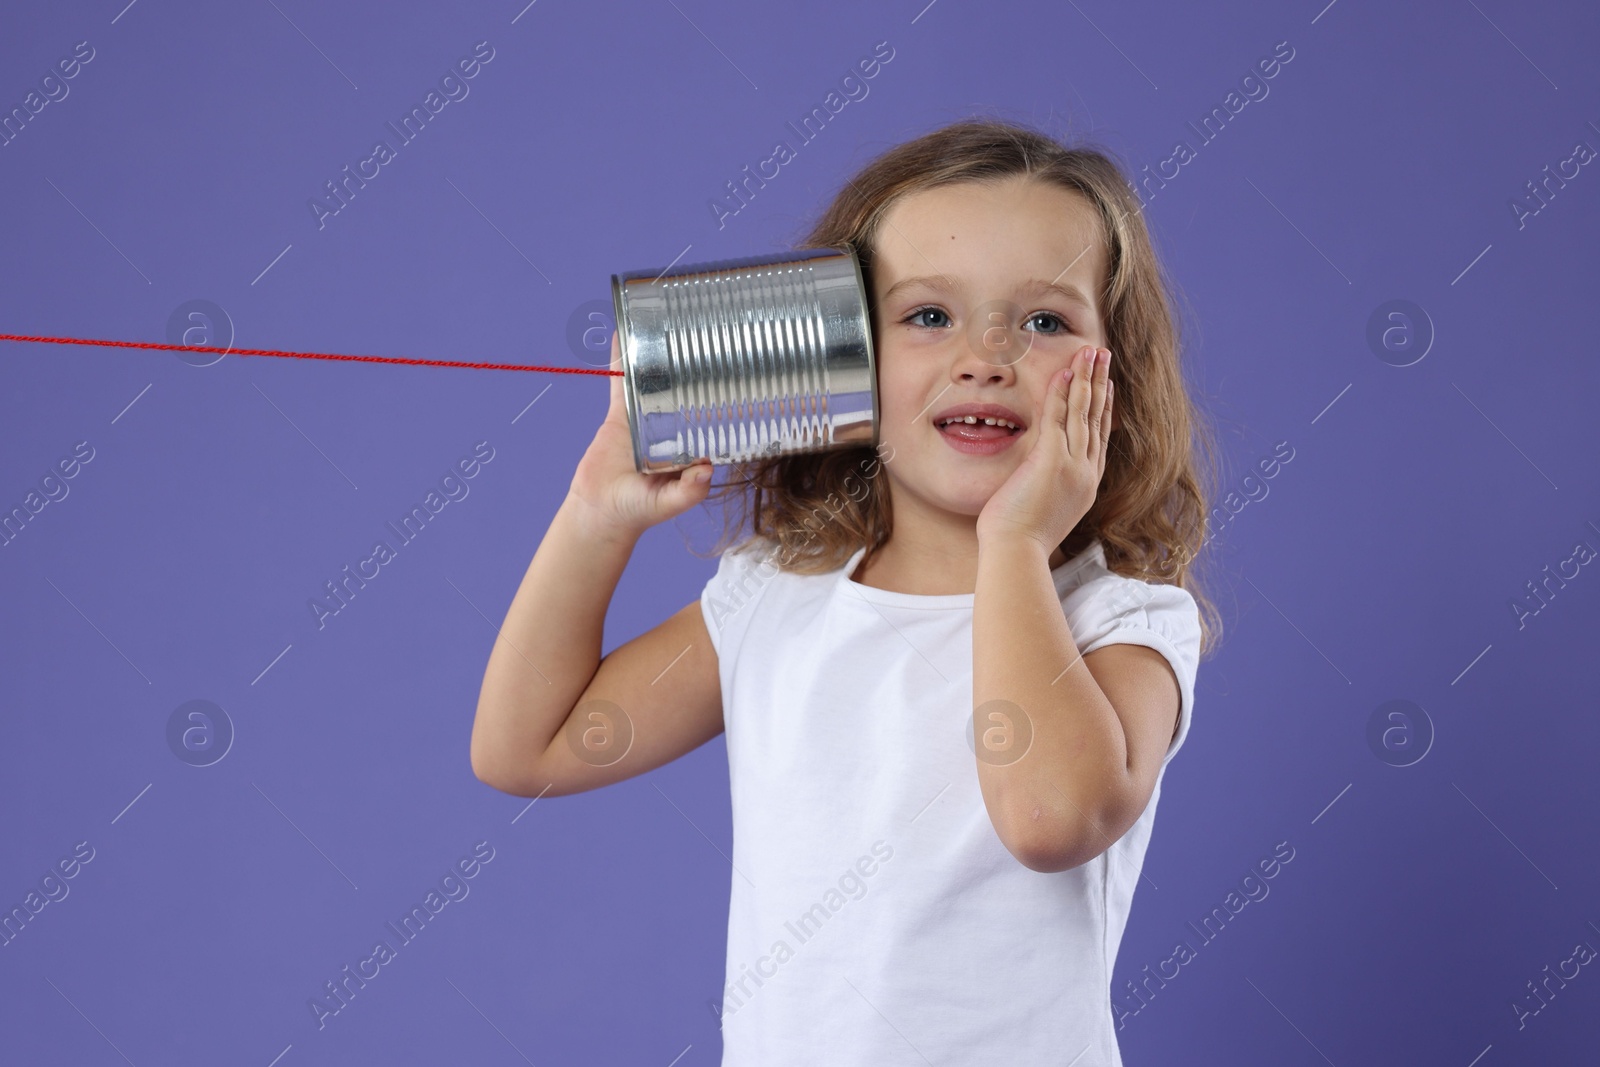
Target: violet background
[1381,565]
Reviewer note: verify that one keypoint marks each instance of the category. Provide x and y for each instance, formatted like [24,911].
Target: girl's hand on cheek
[1054,486]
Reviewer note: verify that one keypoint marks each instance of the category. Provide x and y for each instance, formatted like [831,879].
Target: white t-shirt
[875,917]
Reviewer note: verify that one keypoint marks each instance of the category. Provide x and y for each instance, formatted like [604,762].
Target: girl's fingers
[1105,422]
[1097,406]
[1055,400]
[671,493]
[1078,402]
[690,485]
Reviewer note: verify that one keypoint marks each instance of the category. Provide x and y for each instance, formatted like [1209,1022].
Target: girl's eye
[928,310]
[1061,324]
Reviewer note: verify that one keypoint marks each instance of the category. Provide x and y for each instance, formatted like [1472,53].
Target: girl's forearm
[548,647]
[1048,802]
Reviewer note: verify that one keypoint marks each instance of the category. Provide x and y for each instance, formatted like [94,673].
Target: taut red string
[312,355]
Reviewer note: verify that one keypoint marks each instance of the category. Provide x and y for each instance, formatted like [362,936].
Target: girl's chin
[966,496]
[962,484]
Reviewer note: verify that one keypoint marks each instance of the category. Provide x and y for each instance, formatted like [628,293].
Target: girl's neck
[927,566]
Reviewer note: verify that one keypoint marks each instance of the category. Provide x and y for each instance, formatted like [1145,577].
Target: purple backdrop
[1386,258]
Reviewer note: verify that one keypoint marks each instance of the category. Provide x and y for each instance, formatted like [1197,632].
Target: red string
[312,355]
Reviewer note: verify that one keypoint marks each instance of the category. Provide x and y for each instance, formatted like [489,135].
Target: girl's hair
[1150,511]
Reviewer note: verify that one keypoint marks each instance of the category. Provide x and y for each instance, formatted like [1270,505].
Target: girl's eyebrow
[1033,287]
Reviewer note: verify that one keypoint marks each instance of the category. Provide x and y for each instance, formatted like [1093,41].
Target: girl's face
[982,292]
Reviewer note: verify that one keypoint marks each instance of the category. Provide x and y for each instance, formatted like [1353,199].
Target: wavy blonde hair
[1151,511]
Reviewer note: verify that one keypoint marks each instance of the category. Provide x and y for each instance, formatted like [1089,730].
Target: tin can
[741,359]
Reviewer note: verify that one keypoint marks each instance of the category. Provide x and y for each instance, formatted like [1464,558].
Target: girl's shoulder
[1104,606]
[1107,608]
[744,571]
[754,553]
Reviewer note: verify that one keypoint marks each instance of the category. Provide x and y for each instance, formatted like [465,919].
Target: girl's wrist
[594,527]
[1015,546]
[1013,542]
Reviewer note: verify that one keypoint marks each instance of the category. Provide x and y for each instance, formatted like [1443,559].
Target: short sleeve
[1115,609]
[729,598]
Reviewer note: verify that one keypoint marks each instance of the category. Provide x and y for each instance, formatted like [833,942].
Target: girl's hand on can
[618,502]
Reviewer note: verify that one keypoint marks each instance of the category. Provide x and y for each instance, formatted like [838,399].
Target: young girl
[952,670]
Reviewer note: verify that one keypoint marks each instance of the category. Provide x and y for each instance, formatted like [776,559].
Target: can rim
[619,313]
[872,355]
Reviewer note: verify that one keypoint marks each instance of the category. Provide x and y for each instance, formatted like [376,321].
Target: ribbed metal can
[739,359]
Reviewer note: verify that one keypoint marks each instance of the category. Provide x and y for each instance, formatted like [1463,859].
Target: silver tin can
[741,359]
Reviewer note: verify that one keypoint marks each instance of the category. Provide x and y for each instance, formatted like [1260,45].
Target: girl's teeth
[973,419]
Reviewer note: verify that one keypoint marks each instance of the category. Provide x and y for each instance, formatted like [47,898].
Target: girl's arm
[1069,747]
[649,701]
[1100,724]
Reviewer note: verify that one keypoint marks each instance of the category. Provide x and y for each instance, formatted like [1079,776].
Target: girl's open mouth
[978,437]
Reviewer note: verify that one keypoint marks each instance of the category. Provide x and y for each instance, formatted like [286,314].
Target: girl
[952,670]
